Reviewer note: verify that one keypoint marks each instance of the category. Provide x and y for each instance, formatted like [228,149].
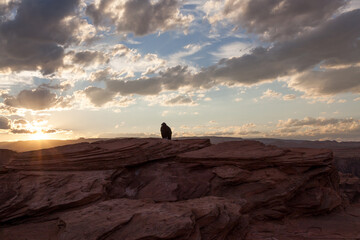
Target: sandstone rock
[350,187]
[187,189]
[5,157]
[204,218]
[26,193]
[274,181]
[337,225]
[100,155]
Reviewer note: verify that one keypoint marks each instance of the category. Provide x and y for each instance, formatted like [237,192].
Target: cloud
[6,9]
[21,131]
[318,128]
[329,82]
[289,97]
[90,57]
[278,19]
[44,131]
[142,86]
[180,100]
[99,96]
[36,99]
[20,122]
[139,17]
[5,123]
[102,75]
[188,50]
[171,79]
[7,110]
[285,58]
[35,39]
[271,94]
[309,121]
[212,129]
[235,49]
[129,61]
[63,87]
[335,42]
[39,126]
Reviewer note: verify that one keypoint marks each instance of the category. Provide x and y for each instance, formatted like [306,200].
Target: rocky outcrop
[160,189]
[110,154]
[5,157]
[32,193]
[350,187]
[337,225]
[204,218]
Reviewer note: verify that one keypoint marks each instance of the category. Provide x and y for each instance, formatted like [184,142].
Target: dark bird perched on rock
[165,131]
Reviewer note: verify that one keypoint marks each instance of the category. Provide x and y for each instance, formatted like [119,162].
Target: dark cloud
[175,77]
[336,42]
[63,87]
[36,37]
[329,82]
[50,131]
[102,75]
[37,99]
[180,100]
[99,96]
[21,131]
[27,131]
[171,79]
[281,19]
[5,123]
[143,86]
[89,57]
[97,13]
[140,17]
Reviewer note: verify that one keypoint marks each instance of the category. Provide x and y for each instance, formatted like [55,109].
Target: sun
[38,131]
[39,135]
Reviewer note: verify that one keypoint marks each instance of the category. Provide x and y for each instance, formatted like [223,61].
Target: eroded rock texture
[189,189]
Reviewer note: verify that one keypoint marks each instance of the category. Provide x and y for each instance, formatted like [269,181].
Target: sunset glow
[38,135]
[84,68]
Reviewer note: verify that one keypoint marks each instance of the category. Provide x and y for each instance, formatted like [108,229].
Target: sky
[234,68]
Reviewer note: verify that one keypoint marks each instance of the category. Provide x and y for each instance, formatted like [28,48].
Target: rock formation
[187,189]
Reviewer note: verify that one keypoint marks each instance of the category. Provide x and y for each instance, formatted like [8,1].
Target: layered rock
[337,225]
[110,154]
[350,187]
[160,189]
[33,193]
[204,218]
[5,157]
[274,181]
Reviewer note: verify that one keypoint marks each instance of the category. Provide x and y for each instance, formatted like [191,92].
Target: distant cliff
[187,189]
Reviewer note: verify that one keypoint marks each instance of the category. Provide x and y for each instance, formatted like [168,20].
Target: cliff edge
[186,189]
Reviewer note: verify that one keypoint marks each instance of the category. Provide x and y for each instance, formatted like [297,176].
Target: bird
[165,131]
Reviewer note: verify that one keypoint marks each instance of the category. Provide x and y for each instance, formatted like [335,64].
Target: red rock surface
[110,154]
[187,189]
[350,187]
